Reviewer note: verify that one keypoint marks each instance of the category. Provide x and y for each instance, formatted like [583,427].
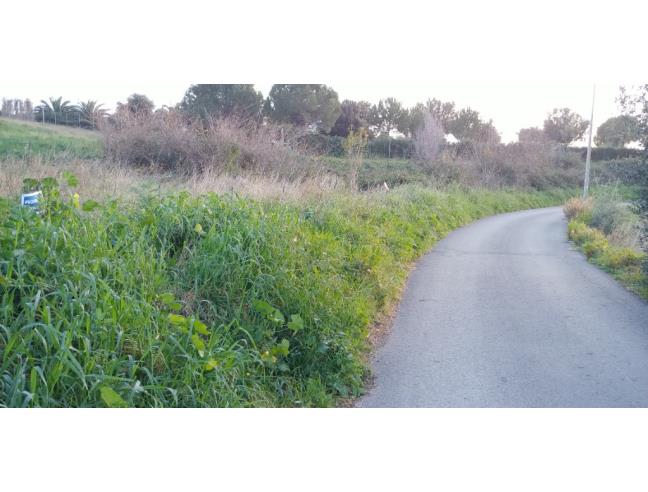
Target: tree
[354,115]
[466,125]
[442,112]
[303,105]
[486,133]
[564,126]
[221,100]
[635,104]
[429,137]
[55,111]
[387,115]
[617,132]
[532,135]
[137,104]
[91,114]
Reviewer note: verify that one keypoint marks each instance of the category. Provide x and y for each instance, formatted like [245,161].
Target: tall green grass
[21,139]
[210,301]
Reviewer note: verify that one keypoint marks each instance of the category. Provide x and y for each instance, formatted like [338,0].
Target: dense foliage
[209,301]
[222,100]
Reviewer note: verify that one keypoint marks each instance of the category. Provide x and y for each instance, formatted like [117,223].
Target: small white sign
[30,199]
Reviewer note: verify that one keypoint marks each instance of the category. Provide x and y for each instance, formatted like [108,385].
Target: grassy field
[23,138]
[210,300]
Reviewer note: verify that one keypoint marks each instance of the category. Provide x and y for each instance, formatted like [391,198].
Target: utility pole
[588,159]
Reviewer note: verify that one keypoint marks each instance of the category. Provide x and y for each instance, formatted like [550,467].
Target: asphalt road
[506,313]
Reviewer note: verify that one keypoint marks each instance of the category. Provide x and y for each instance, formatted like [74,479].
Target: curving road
[505,313]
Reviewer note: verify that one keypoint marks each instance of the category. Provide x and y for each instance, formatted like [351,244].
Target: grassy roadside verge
[211,300]
[626,264]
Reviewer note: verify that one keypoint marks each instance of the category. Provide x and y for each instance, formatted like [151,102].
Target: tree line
[316,108]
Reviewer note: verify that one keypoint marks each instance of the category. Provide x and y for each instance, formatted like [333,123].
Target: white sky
[511,60]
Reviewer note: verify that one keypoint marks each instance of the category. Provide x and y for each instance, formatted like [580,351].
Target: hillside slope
[22,138]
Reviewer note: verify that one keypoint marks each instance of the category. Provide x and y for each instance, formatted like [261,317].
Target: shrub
[622,257]
[400,148]
[628,171]
[324,144]
[610,212]
[608,153]
[580,233]
[168,139]
[595,247]
[578,208]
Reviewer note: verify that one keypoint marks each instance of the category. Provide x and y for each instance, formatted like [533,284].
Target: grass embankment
[607,245]
[22,139]
[210,301]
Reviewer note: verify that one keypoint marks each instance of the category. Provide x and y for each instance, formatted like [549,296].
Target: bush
[610,213]
[595,247]
[608,153]
[580,233]
[631,171]
[399,148]
[324,144]
[616,258]
[168,139]
[578,208]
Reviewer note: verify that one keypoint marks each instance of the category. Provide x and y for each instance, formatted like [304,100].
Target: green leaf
[211,364]
[90,205]
[296,323]
[112,398]
[281,349]
[268,312]
[177,319]
[199,229]
[200,327]
[199,344]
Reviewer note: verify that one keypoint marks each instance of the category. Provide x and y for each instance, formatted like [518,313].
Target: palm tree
[91,114]
[55,111]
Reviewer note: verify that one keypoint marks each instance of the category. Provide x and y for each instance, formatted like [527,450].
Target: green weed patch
[209,301]
[625,264]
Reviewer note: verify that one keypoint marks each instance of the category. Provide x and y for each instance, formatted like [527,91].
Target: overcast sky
[511,60]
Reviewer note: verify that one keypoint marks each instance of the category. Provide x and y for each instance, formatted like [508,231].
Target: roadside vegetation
[210,300]
[609,230]
[235,250]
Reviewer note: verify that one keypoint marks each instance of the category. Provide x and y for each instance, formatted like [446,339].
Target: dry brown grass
[99,179]
[102,180]
[577,206]
[231,145]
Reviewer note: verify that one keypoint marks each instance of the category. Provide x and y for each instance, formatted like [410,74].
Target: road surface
[506,313]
